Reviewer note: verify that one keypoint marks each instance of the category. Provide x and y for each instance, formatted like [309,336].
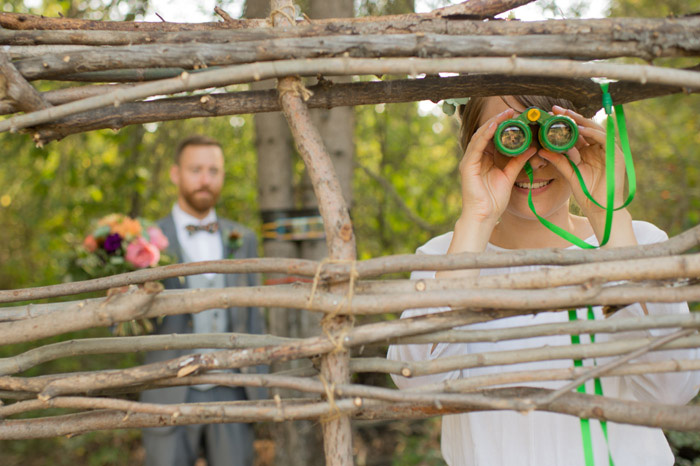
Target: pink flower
[90,243]
[158,239]
[140,253]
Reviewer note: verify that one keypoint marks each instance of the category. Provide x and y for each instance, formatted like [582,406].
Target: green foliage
[653,8]
[686,447]
[418,155]
[115,10]
[419,444]
[92,449]
[666,150]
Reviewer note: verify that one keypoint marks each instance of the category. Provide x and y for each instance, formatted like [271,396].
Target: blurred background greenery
[49,196]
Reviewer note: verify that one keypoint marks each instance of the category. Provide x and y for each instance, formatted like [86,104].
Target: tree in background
[664,134]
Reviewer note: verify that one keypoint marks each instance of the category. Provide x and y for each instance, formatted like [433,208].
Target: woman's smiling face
[550,192]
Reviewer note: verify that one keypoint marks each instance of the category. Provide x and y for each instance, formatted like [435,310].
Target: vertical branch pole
[16,88]
[340,239]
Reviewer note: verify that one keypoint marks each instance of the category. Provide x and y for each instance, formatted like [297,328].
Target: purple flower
[112,243]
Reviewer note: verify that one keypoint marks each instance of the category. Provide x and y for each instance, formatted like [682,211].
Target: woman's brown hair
[470,113]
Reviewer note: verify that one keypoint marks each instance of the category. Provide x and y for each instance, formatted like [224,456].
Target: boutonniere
[234,240]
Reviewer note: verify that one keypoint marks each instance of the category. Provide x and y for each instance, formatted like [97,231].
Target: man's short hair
[194,140]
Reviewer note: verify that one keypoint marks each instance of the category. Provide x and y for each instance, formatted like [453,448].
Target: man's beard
[198,204]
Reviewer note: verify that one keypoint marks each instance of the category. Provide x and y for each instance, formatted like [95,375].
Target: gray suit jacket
[241,319]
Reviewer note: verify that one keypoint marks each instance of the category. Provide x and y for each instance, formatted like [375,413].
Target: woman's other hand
[486,187]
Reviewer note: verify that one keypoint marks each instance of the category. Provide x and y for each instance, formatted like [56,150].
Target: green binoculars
[557,133]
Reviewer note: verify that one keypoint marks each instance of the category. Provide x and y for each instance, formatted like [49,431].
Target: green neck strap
[609,175]
[598,387]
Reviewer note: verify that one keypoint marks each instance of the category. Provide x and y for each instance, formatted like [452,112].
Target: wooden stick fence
[176,58]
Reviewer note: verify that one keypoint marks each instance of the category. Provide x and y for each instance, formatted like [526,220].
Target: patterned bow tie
[212,227]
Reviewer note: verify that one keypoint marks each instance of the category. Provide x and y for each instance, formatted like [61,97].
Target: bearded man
[196,233]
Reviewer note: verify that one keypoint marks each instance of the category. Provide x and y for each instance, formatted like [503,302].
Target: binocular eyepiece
[557,133]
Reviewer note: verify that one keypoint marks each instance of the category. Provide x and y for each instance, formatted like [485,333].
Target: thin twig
[226,17]
[578,327]
[599,370]
[479,382]
[498,358]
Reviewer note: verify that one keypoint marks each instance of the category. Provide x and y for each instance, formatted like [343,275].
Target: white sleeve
[421,352]
[671,387]
[666,387]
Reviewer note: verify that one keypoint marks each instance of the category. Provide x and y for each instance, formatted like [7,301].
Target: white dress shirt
[507,438]
[201,245]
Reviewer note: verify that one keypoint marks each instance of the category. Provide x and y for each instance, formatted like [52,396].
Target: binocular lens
[512,137]
[560,134]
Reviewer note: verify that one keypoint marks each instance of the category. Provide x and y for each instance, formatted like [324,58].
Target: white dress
[507,438]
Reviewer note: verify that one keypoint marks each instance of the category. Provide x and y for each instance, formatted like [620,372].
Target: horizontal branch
[23,21]
[350,66]
[364,269]
[119,307]
[584,93]
[460,385]
[234,359]
[98,312]
[292,382]
[101,313]
[305,385]
[514,258]
[479,382]
[576,404]
[658,268]
[65,95]
[76,402]
[36,356]
[499,358]
[471,10]
[129,75]
[618,29]
[578,327]
[197,55]
[308,347]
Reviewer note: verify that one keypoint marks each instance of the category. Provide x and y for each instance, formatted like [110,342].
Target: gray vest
[212,320]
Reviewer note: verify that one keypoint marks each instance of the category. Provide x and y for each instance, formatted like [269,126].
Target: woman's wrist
[621,232]
[471,234]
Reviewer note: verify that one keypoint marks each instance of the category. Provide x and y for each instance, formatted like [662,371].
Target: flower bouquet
[119,244]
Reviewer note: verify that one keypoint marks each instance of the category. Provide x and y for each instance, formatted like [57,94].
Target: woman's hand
[486,188]
[589,157]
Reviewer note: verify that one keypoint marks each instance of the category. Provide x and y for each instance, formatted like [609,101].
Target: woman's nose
[537,162]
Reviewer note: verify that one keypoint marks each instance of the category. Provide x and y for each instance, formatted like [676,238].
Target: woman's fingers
[516,164]
[590,132]
[592,135]
[560,162]
[574,155]
[483,136]
[579,119]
